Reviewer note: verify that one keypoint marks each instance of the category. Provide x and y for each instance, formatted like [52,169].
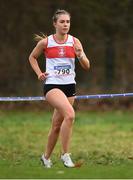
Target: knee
[70,116]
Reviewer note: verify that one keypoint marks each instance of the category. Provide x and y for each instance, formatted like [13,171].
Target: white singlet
[60,61]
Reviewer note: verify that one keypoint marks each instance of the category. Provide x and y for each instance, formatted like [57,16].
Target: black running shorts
[68,89]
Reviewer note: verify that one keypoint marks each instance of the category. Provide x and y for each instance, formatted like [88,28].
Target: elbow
[87,67]
[31,59]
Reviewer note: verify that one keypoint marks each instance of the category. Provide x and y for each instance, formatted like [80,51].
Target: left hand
[78,50]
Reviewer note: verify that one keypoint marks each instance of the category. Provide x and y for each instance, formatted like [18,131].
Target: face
[62,25]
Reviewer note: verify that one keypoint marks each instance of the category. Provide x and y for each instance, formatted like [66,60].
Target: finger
[40,76]
[46,74]
[43,76]
[78,49]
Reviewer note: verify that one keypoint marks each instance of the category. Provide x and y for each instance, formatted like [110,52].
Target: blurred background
[105,29]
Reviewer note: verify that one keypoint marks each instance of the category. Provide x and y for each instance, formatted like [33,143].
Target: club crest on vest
[62,51]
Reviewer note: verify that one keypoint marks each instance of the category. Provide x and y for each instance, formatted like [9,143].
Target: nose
[65,24]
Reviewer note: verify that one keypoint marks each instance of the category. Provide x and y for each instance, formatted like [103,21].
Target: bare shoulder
[77,41]
[42,43]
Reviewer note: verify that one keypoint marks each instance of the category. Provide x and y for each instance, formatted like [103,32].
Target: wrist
[39,74]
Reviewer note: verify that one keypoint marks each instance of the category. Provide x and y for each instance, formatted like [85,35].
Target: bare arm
[84,61]
[37,51]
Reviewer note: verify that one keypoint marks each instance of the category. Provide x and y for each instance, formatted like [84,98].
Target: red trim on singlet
[58,41]
[46,43]
[60,52]
[74,40]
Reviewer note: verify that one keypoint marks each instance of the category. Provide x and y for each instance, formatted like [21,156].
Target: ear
[54,24]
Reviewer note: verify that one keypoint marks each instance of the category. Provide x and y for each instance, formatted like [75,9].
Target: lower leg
[66,128]
[53,134]
[65,134]
[52,139]
[66,131]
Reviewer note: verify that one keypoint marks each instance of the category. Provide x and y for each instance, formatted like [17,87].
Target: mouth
[65,29]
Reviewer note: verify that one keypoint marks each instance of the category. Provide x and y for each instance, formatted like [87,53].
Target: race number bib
[62,69]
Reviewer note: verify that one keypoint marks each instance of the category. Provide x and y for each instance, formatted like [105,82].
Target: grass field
[102,140]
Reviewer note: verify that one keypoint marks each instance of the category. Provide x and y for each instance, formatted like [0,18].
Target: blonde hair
[39,37]
[55,18]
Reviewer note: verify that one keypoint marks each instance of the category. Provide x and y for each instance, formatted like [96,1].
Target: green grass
[102,140]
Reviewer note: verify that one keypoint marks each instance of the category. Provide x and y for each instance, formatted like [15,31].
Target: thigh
[71,100]
[57,99]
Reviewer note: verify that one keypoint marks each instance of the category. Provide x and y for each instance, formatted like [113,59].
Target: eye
[62,21]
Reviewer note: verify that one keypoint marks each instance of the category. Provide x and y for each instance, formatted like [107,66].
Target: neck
[60,37]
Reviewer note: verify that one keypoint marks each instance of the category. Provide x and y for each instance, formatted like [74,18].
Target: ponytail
[39,37]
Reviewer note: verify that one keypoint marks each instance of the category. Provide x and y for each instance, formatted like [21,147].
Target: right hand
[42,76]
